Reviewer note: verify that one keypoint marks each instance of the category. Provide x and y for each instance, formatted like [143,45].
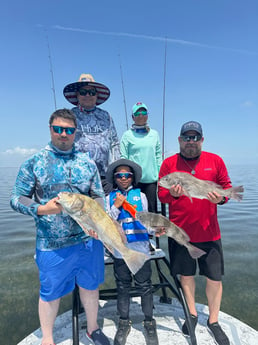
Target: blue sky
[211,68]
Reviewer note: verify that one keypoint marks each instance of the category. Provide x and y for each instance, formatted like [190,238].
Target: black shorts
[211,265]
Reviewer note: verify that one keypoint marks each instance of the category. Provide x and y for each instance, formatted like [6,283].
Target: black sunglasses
[90,92]
[187,138]
[59,130]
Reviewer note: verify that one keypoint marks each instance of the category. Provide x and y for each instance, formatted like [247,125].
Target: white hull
[169,319]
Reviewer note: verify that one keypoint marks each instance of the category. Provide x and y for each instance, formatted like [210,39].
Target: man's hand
[214,197]
[51,207]
[93,234]
[176,190]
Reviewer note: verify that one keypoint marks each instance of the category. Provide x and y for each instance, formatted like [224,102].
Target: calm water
[19,279]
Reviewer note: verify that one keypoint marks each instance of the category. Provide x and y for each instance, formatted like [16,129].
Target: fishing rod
[163,206]
[122,82]
[51,70]
[164,98]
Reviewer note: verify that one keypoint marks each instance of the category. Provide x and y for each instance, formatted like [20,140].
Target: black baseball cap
[191,126]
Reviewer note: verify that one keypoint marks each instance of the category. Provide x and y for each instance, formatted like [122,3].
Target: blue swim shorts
[61,269]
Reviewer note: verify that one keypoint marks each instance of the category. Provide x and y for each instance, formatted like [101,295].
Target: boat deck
[169,318]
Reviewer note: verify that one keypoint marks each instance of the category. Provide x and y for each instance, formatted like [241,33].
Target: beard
[191,150]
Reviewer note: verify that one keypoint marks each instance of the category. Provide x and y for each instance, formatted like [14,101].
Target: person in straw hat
[96,132]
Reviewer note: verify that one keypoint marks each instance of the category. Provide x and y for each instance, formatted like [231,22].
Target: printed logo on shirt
[94,129]
[136,198]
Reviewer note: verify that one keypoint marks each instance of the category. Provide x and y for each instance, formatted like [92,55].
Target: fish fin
[84,228]
[234,193]
[134,260]
[187,194]
[194,251]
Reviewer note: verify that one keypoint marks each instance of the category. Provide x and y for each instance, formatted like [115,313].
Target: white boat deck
[169,318]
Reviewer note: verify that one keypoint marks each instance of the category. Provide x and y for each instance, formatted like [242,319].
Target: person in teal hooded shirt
[141,144]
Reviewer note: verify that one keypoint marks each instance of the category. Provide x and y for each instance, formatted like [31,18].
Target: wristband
[222,201]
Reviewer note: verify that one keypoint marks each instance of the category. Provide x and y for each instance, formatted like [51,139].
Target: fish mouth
[60,194]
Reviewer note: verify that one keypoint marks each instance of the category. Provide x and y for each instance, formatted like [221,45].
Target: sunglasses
[121,175]
[84,92]
[187,138]
[138,113]
[59,130]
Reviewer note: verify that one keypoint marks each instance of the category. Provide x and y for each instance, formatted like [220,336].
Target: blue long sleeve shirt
[40,179]
[96,134]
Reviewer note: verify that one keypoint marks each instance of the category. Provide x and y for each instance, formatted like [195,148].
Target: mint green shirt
[145,150]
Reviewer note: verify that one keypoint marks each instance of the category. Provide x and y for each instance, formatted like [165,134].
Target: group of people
[85,156]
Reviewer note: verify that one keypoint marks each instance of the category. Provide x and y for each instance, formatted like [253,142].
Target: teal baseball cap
[138,106]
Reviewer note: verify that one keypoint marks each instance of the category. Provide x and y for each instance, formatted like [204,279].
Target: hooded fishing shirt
[40,179]
[96,134]
[144,149]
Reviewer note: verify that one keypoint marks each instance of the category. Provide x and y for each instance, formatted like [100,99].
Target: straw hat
[70,90]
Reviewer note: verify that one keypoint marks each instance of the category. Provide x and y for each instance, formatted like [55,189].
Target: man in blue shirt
[65,255]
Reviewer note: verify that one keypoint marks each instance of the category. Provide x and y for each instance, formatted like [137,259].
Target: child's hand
[160,231]
[120,198]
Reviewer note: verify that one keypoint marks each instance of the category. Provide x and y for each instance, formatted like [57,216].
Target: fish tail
[194,251]
[234,193]
[134,260]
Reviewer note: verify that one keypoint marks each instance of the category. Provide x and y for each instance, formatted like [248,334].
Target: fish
[157,221]
[196,188]
[90,215]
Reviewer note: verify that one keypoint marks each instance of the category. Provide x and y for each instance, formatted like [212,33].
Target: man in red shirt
[199,219]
